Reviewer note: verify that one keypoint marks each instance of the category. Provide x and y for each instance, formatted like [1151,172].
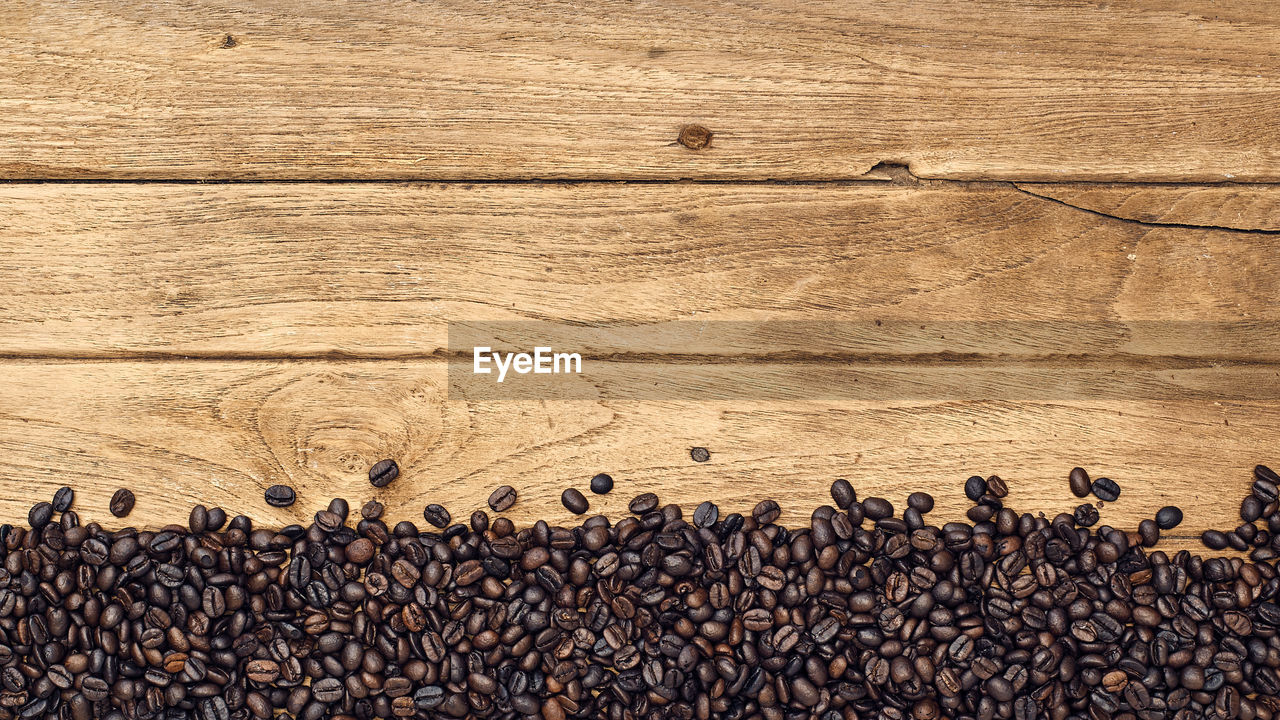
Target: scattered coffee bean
[1086,515]
[501,499]
[1080,485]
[975,487]
[1106,489]
[62,499]
[843,494]
[383,473]
[602,484]
[122,502]
[280,496]
[1168,517]
[437,515]
[921,502]
[997,487]
[371,510]
[574,501]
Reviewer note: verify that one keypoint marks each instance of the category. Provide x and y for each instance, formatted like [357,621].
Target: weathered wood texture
[219,432]
[1030,90]
[864,271]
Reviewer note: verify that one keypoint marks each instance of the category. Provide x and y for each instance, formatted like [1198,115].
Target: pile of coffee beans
[862,614]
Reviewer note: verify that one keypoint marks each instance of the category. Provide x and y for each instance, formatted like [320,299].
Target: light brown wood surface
[220,432]
[188,341]
[1027,90]
[383,270]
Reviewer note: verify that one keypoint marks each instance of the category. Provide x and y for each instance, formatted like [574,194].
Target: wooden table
[929,239]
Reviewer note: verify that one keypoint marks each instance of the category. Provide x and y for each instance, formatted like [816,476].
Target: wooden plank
[1029,90]
[1239,207]
[220,432]
[373,270]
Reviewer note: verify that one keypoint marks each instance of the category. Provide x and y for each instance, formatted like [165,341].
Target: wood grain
[1027,90]
[1238,207]
[219,432]
[382,270]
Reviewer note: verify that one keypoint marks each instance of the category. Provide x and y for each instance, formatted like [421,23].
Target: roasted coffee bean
[921,502]
[843,495]
[975,487]
[1086,515]
[280,496]
[1106,489]
[1168,517]
[1080,484]
[601,484]
[62,499]
[437,515]
[706,515]
[383,473]
[501,499]
[371,510]
[643,503]
[122,502]
[997,487]
[574,501]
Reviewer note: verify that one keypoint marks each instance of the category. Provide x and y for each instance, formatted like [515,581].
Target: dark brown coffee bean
[1080,484]
[63,497]
[1168,517]
[122,502]
[574,501]
[1106,489]
[843,494]
[643,503]
[766,511]
[280,496]
[437,515]
[921,502]
[501,499]
[383,473]
[601,484]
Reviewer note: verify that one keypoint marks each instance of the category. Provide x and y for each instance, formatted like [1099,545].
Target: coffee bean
[1086,515]
[877,508]
[280,496]
[997,487]
[1080,485]
[1106,489]
[1168,517]
[383,473]
[574,501]
[501,499]
[122,503]
[437,515]
[974,488]
[766,511]
[706,515]
[601,484]
[921,502]
[843,494]
[371,510]
[643,503]
[62,499]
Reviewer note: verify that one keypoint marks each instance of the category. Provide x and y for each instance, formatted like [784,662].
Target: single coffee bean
[1148,533]
[643,503]
[1086,515]
[1106,489]
[122,502]
[372,510]
[574,500]
[1080,485]
[280,496]
[437,515]
[766,511]
[1168,517]
[706,515]
[601,484]
[997,487]
[700,454]
[921,502]
[62,499]
[877,508]
[40,515]
[383,473]
[501,499]
[974,488]
[843,494]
